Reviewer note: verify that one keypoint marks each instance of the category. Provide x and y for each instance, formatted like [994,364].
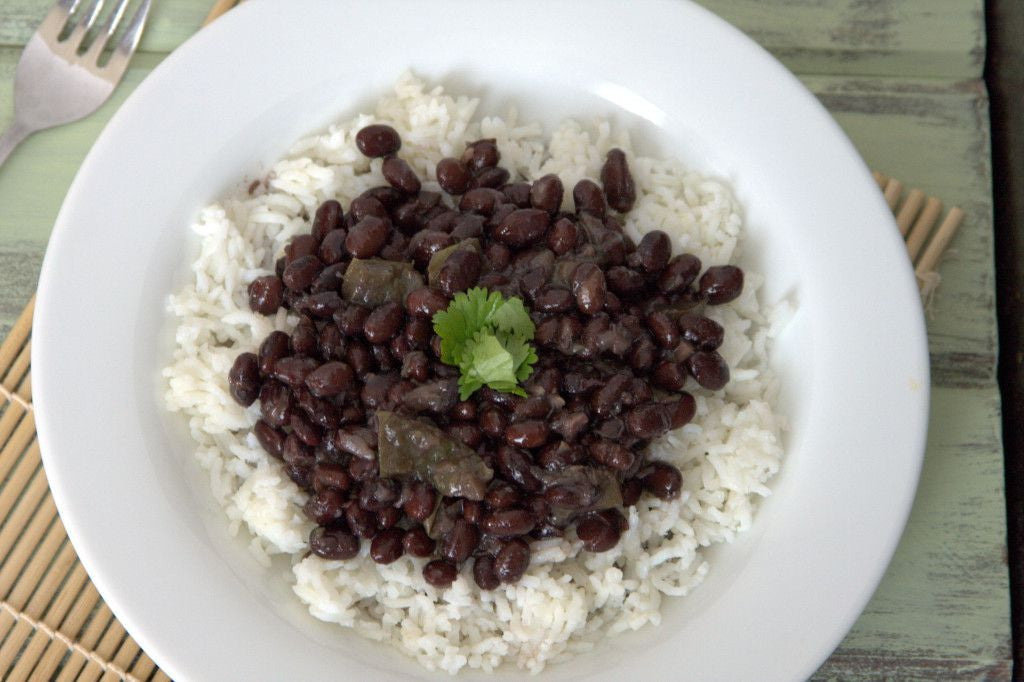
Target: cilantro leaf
[511,317]
[488,338]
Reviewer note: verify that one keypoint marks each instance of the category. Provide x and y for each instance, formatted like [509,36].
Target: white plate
[854,360]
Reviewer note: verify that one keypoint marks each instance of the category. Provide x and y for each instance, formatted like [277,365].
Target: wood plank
[905,38]
[934,135]
[869,37]
[941,610]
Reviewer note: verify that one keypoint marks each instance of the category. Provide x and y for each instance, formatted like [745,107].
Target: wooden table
[903,78]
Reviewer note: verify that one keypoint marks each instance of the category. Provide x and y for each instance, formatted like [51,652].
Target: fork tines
[59,19]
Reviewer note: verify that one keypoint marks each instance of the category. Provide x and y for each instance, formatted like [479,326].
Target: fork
[54,84]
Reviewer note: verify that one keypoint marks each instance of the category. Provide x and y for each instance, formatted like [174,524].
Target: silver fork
[53,84]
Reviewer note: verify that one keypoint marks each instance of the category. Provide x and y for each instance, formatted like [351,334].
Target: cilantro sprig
[487,336]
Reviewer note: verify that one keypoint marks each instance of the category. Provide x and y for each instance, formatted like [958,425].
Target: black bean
[502,496]
[546,193]
[378,140]
[683,410]
[468,226]
[300,476]
[642,354]
[668,375]
[379,494]
[322,305]
[426,302]
[569,425]
[333,543]
[648,421]
[331,344]
[388,518]
[512,561]
[481,154]
[460,271]
[709,369]
[492,422]
[275,403]
[721,283]
[562,236]
[274,347]
[458,544]
[420,499]
[366,238]
[483,573]
[332,248]
[415,366]
[518,193]
[375,389]
[301,272]
[326,506]
[701,332]
[350,320]
[400,175]
[453,176]
[297,453]
[680,273]
[612,455]
[359,358]
[482,200]
[618,181]
[418,332]
[607,400]
[554,300]
[361,522]
[386,546]
[588,197]
[491,177]
[589,287]
[664,329]
[363,206]
[383,323]
[631,491]
[300,246]
[329,278]
[653,251]
[527,434]
[464,411]
[294,369]
[266,294]
[508,522]
[417,543]
[270,438]
[438,396]
[514,465]
[329,379]
[330,475]
[624,281]
[329,216]
[304,339]
[440,573]
[355,440]
[597,533]
[663,481]
[522,227]
[611,429]
[244,379]
[304,429]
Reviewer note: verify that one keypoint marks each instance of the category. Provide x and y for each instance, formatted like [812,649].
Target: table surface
[903,78]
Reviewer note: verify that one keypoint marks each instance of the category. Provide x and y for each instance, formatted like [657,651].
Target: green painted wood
[941,612]
[941,38]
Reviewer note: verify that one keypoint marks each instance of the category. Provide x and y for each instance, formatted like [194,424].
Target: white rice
[568,598]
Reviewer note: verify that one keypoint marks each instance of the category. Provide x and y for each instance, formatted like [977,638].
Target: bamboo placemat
[53,624]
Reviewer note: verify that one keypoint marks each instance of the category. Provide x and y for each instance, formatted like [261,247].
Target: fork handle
[12,137]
